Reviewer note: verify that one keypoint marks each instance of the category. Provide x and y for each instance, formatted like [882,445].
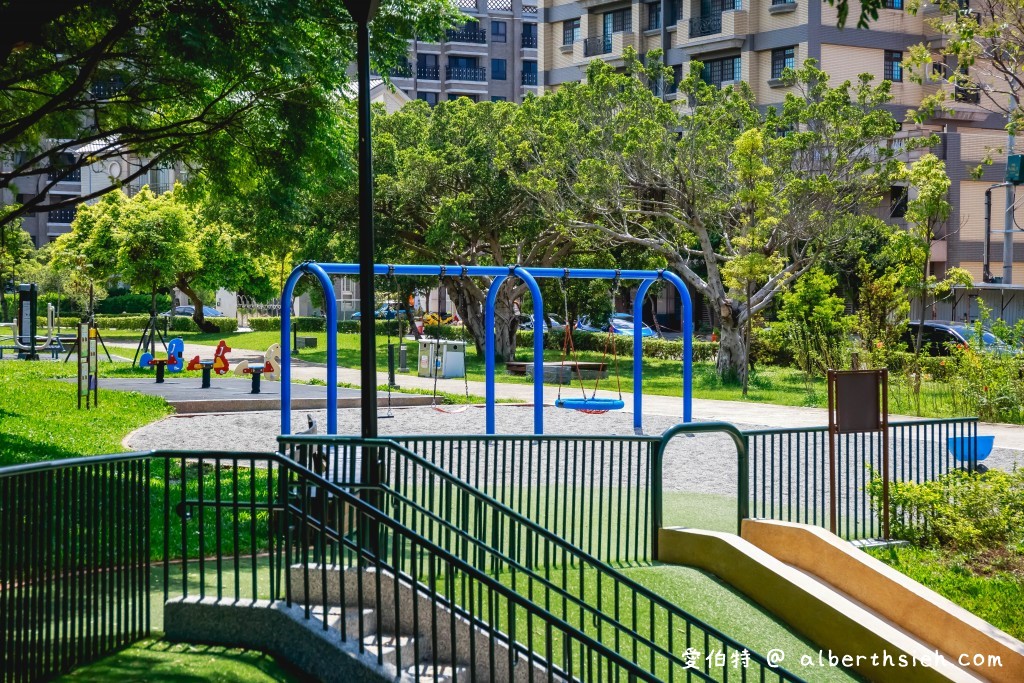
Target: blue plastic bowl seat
[602,404]
[960,446]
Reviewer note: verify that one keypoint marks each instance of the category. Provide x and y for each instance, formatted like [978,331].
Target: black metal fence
[74,563]
[789,470]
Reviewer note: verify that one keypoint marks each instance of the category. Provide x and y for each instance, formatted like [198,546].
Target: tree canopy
[729,194]
[238,84]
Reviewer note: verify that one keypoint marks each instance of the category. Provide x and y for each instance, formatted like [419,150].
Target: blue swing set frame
[323,273]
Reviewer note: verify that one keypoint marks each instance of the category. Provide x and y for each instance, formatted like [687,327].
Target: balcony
[530,42]
[62,216]
[428,73]
[597,45]
[529,78]
[401,71]
[782,6]
[966,94]
[465,73]
[706,26]
[467,35]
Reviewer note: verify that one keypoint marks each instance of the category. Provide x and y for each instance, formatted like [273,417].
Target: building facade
[493,56]
[755,40]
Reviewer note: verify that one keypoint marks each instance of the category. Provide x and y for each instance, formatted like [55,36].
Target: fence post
[657,498]
[743,483]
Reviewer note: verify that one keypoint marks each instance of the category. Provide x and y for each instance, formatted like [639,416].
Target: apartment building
[755,40]
[492,56]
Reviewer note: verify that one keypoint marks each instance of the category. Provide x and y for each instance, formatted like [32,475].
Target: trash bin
[446,358]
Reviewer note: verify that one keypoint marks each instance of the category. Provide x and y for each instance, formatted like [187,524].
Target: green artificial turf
[990,585]
[158,660]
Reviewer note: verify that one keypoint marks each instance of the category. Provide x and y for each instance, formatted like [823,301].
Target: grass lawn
[39,418]
[158,660]
[768,384]
[990,586]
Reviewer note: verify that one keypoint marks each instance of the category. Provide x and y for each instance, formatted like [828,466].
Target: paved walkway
[739,412]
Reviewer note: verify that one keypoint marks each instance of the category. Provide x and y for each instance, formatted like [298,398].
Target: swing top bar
[495,271]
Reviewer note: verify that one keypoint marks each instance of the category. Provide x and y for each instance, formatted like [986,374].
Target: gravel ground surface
[701,464]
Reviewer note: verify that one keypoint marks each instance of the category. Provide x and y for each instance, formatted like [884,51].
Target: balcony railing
[62,216]
[467,35]
[597,45]
[529,78]
[705,26]
[775,3]
[967,94]
[529,41]
[402,71]
[465,73]
[428,73]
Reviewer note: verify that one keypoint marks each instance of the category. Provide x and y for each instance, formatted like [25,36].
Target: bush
[133,303]
[960,510]
[653,347]
[771,345]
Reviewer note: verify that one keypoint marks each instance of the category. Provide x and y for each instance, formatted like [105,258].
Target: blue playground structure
[324,271]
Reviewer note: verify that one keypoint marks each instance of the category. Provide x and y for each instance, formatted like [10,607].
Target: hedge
[318,324]
[178,323]
[133,303]
[653,347]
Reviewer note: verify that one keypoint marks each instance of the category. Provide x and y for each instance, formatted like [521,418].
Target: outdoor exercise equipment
[24,337]
[498,274]
[219,363]
[592,404]
[969,451]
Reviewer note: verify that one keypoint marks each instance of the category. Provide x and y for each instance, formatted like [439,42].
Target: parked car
[940,334]
[620,323]
[389,310]
[526,322]
[208,312]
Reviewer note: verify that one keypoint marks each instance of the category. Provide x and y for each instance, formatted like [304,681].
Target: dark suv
[939,334]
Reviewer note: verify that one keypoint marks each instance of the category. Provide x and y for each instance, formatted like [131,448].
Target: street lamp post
[362,12]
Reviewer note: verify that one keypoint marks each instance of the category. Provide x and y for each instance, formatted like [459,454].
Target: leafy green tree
[15,249]
[983,56]
[816,322]
[728,193]
[443,197]
[220,86]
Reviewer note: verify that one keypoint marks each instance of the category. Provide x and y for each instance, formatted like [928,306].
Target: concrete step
[391,649]
[350,615]
[442,673]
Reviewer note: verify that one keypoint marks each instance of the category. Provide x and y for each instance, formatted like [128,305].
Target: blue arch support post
[538,348]
[331,305]
[638,347]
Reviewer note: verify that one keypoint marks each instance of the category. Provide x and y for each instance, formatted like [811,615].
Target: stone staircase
[408,633]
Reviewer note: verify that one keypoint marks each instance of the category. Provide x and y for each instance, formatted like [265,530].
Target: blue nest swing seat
[601,404]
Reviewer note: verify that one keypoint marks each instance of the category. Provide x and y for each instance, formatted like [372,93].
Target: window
[60,171]
[529,72]
[462,62]
[783,58]
[570,31]
[618,21]
[898,201]
[427,67]
[498,98]
[498,69]
[894,4]
[654,15]
[454,96]
[719,71]
[529,38]
[428,97]
[893,70]
[499,31]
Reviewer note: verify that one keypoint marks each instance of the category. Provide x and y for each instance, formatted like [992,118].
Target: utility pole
[1008,217]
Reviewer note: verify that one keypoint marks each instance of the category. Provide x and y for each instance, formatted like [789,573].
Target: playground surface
[232,395]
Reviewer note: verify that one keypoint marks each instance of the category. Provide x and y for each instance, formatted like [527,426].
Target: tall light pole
[362,12]
[1008,218]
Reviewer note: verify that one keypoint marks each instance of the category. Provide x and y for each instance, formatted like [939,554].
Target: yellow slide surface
[862,613]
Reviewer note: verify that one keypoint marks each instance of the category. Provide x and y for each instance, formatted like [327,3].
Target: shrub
[960,510]
[663,349]
[818,328]
[771,345]
[133,303]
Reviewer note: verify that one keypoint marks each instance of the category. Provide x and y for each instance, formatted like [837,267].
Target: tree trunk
[732,351]
[199,316]
[152,332]
[470,300]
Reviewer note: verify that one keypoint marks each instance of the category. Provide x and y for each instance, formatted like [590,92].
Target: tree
[723,205]
[118,237]
[985,43]
[188,81]
[15,248]
[443,197]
